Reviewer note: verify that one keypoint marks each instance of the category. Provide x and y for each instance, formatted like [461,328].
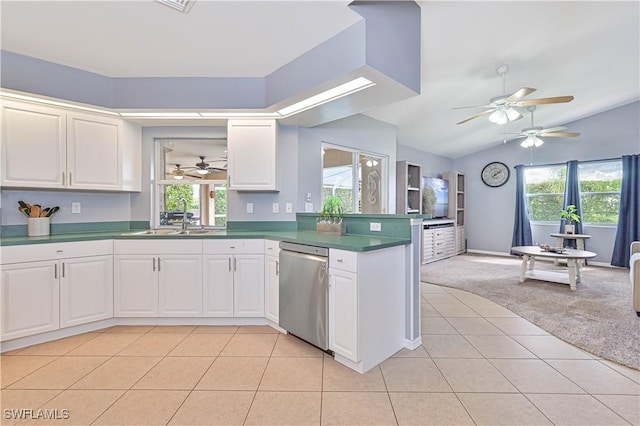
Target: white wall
[490,211]
[356,132]
[432,165]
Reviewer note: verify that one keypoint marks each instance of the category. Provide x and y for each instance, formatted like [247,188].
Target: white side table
[560,238]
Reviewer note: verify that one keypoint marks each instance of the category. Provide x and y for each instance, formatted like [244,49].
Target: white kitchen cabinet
[48,286]
[180,285]
[30,299]
[233,278]
[34,141]
[94,154]
[46,147]
[343,314]
[271,281]
[158,278]
[252,155]
[135,286]
[366,306]
[86,290]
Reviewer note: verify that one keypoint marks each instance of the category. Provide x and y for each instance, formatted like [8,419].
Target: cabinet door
[29,299]
[343,314]
[271,288]
[93,151]
[33,146]
[86,290]
[251,155]
[135,286]
[218,286]
[180,285]
[248,285]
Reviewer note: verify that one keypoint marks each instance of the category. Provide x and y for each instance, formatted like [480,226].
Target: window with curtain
[544,190]
[600,184]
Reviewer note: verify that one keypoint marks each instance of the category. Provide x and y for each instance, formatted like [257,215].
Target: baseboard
[413,344]
[491,253]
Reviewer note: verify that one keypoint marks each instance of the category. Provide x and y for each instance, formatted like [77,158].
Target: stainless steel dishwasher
[304,283]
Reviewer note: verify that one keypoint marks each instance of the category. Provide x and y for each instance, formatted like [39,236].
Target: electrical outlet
[308,207]
[76,208]
[375,226]
[288,207]
[276,207]
[249,207]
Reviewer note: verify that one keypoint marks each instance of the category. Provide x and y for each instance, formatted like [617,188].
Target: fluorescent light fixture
[326,96]
[239,114]
[161,114]
[55,103]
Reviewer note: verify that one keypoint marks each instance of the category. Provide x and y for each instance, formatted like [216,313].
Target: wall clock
[495,174]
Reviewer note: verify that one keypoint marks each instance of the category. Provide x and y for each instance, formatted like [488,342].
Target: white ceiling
[590,50]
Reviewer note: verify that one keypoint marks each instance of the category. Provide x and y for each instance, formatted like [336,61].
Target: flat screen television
[435,197]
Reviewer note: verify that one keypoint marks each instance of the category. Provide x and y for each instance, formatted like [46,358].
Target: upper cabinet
[45,147]
[252,155]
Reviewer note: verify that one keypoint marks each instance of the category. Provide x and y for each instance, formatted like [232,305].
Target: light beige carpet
[598,317]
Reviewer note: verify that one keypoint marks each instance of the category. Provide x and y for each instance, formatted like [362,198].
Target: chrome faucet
[184,213]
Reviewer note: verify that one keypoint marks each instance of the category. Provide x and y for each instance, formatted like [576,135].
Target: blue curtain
[572,196]
[521,225]
[629,215]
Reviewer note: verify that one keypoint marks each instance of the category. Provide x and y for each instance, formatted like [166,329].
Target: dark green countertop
[350,242]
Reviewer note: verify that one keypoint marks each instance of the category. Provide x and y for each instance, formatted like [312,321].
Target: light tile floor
[479,364]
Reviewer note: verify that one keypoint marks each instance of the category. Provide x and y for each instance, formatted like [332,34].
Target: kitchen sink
[165,231]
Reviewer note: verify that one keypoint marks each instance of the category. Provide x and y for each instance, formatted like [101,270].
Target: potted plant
[571,217]
[331,217]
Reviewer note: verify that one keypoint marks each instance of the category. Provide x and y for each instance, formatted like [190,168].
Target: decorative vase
[331,228]
[569,229]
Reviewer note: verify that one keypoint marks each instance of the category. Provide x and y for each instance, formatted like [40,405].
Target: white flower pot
[569,229]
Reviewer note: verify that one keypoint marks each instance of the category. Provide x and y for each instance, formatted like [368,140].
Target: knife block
[38,226]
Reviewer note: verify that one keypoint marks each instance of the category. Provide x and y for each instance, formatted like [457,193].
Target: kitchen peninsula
[92,280]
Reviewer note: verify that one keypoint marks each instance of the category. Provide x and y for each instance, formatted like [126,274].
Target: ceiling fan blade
[560,135]
[543,101]
[520,93]
[477,115]
[552,129]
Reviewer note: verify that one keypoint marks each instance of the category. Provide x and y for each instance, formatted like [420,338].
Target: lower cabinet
[86,290]
[343,314]
[234,285]
[51,286]
[271,281]
[158,285]
[30,299]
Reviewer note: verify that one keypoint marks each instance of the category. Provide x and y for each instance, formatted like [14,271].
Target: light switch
[249,207]
[288,207]
[276,207]
[76,208]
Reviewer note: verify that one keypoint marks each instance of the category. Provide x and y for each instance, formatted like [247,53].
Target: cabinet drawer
[271,247]
[224,246]
[344,260]
[38,252]
[157,246]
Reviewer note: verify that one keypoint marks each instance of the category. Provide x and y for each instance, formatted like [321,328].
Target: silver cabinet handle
[232,247]
[55,270]
[64,182]
[158,264]
[62,269]
[277,267]
[154,264]
[70,179]
[339,260]
[235,264]
[229,264]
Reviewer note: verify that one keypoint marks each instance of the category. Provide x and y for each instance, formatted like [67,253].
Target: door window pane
[370,184]
[337,176]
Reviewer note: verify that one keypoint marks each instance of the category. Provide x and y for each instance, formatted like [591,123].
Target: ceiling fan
[503,108]
[533,134]
[201,168]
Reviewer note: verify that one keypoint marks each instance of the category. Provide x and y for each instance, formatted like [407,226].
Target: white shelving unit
[409,188]
[457,207]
